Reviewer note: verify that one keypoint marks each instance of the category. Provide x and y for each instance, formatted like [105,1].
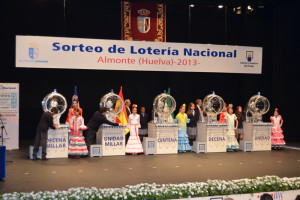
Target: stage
[24,175]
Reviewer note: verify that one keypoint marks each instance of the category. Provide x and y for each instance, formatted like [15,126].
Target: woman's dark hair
[239,115]
[189,112]
[266,196]
[103,109]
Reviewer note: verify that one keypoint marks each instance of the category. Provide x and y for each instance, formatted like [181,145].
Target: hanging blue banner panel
[2,162]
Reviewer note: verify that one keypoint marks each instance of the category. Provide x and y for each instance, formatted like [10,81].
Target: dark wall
[273,27]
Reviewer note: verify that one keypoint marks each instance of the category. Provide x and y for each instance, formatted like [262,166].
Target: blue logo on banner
[14,100]
[249,56]
[33,52]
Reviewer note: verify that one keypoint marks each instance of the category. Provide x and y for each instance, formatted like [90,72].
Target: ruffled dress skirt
[134,145]
[77,146]
[277,137]
[183,141]
[231,140]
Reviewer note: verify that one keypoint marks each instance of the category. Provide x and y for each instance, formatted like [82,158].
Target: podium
[57,143]
[165,137]
[259,134]
[112,140]
[211,136]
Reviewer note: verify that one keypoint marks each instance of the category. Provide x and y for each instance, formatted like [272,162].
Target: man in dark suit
[198,113]
[94,124]
[41,136]
[127,106]
[198,110]
[143,131]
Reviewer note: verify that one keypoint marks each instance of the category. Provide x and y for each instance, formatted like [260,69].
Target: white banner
[286,195]
[9,114]
[76,53]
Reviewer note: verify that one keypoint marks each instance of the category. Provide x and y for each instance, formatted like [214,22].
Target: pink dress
[277,136]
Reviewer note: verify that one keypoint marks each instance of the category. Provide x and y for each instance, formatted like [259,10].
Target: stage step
[199,147]
[95,150]
[246,145]
[149,146]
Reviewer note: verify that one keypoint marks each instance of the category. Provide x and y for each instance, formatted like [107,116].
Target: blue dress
[183,140]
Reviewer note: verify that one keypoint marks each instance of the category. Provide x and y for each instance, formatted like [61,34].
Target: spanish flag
[122,117]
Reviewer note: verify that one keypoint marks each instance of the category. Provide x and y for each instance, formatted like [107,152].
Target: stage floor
[24,175]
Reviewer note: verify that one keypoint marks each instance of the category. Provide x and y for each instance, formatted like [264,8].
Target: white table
[112,140]
[57,143]
[166,137]
[213,135]
[259,134]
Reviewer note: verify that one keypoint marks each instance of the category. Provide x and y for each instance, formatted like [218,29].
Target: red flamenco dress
[71,113]
[77,146]
[222,117]
[277,136]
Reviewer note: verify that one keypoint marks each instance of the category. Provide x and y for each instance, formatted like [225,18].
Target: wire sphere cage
[113,103]
[163,106]
[257,106]
[55,99]
[212,106]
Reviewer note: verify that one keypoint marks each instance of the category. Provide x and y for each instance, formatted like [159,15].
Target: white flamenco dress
[134,144]
[232,142]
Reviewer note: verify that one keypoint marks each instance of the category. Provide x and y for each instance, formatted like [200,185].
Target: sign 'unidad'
[113,141]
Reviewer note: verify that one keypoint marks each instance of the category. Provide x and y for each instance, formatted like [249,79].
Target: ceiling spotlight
[260,6]
[249,9]
[238,10]
[192,5]
[220,6]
